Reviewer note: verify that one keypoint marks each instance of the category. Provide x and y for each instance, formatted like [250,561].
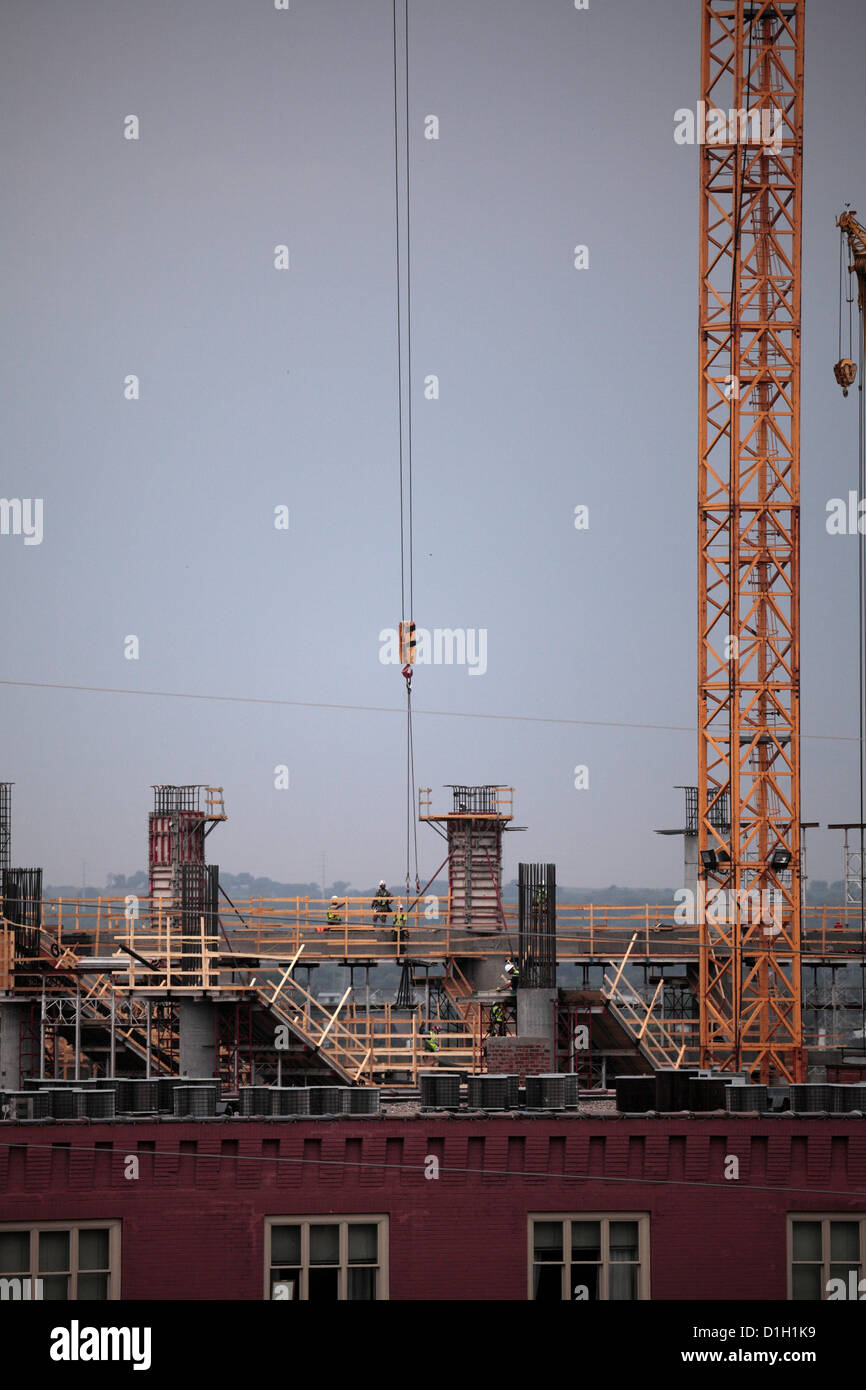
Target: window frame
[826,1218]
[72,1228]
[604,1218]
[381,1223]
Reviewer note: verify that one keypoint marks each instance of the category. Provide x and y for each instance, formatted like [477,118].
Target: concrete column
[482,972]
[197,1024]
[13,1015]
[536,1015]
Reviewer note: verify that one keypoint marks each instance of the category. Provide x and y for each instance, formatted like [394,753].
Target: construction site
[534,1051]
[186,982]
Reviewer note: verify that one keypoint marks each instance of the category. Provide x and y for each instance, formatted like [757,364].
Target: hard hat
[382,883]
[335,899]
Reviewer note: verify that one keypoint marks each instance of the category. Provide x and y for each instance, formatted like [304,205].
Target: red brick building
[435,1206]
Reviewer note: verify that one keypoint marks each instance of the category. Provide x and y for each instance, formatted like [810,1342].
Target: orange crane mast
[749,538]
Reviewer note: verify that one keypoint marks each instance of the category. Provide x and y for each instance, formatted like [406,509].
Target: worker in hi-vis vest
[399,926]
[510,975]
[431,1042]
[381,904]
[333,918]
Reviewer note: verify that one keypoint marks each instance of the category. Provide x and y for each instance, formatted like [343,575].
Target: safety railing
[274,929]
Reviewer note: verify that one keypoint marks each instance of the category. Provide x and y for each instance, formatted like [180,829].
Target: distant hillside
[237,886]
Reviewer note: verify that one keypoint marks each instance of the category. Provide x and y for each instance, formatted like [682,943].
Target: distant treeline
[819,891]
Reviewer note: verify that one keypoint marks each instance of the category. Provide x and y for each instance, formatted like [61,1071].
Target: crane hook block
[845,371]
[407,644]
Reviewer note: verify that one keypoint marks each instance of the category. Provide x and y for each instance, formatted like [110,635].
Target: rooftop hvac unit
[672,1088]
[493,1091]
[744,1099]
[166,1087]
[779,1099]
[635,1095]
[67,1102]
[294,1100]
[28,1105]
[440,1090]
[546,1092]
[327,1100]
[123,1088]
[853,1097]
[363,1100]
[809,1098]
[706,1093]
[100,1104]
[572,1090]
[211,1083]
[197,1101]
[144,1096]
[255,1100]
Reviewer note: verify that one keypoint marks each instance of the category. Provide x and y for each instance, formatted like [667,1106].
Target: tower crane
[749,539]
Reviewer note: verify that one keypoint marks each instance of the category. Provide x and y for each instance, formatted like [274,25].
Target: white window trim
[73,1227]
[825,1217]
[305,1222]
[643,1236]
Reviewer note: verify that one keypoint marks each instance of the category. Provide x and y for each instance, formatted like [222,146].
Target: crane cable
[407,578]
[845,243]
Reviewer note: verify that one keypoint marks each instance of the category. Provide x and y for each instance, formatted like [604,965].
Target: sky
[264,388]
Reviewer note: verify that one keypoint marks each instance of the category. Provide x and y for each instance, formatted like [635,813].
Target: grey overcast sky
[261,388]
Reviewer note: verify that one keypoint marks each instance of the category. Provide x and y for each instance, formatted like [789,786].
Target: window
[57,1262]
[589,1257]
[329,1259]
[822,1249]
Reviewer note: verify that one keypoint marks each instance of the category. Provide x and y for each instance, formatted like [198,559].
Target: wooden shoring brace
[333,1018]
[622,966]
[362,1064]
[650,1008]
[285,975]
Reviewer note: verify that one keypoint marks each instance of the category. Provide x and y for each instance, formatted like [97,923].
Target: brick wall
[193,1222]
[525,1056]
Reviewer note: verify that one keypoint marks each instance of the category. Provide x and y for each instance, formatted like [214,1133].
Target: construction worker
[431,1042]
[497,1021]
[510,975]
[399,925]
[381,904]
[333,918]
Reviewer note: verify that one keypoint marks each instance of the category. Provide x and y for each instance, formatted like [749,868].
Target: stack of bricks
[525,1056]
